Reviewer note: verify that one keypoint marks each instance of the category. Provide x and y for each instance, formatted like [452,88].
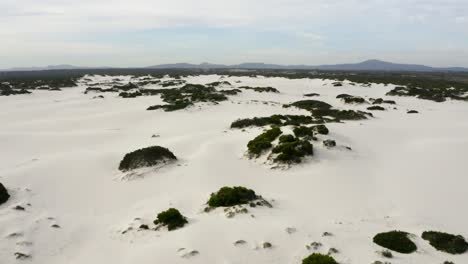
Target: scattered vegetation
[351,99]
[453,244]
[381,101]
[395,240]
[215,84]
[437,94]
[324,111]
[4,196]
[146,157]
[263,141]
[230,196]
[260,89]
[317,258]
[171,218]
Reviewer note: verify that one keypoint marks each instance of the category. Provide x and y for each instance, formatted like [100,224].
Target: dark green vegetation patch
[260,89]
[171,218]
[324,111]
[453,244]
[146,157]
[395,240]
[317,258]
[229,196]
[311,94]
[381,101]
[263,141]
[437,94]
[351,99]
[180,98]
[277,120]
[4,196]
[376,108]
[292,150]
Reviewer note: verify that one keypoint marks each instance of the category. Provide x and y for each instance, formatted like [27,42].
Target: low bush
[453,244]
[376,108]
[263,141]
[229,196]
[395,240]
[320,129]
[354,100]
[171,218]
[146,157]
[286,138]
[303,131]
[310,105]
[293,150]
[277,120]
[317,258]
[311,94]
[260,89]
[4,196]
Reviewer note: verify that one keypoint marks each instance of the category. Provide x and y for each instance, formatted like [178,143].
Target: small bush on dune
[263,141]
[293,150]
[4,196]
[146,157]
[446,242]
[310,105]
[376,108]
[320,129]
[311,94]
[303,131]
[317,258]
[261,89]
[395,240]
[229,196]
[171,218]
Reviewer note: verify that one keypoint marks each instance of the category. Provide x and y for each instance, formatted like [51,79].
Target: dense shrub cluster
[260,89]
[146,157]
[292,150]
[277,120]
[317,258]
[169,83]
[4,196]
[437,94]
[376,108]
[180,98]
[303,131]
[9,91]
[351,99]
[395,240]
[229,196]
[263,141]
[310,105]
[125,87]
[230,92]
[449,243]
[171,218]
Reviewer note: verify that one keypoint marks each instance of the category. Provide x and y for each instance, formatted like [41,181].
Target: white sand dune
[59,152]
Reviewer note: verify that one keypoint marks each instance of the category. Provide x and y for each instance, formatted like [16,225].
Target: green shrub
[286,138]
[395,240]
[171,218]
[303,131]
[311,94]
[320,129]
[229,196]
[263,141]
[341,96]
[310,105]
[317,258]
[146,157]
[293,150]
[277,120]
[4,196]
[449,243]
[354,100]
[376,108]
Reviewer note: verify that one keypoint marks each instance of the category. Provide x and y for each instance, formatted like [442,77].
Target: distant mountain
[369,65]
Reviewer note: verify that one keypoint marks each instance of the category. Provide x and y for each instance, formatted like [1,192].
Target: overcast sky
[145,32]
